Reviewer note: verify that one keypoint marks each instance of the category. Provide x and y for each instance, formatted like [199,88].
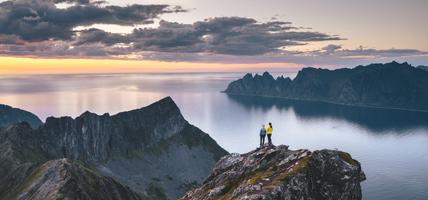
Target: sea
[391,145]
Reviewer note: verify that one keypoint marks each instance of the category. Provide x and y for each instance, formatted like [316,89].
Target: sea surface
[391,145]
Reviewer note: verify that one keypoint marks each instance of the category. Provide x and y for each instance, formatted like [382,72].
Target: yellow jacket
[269,130]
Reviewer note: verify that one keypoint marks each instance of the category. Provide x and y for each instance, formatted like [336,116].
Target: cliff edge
[279,173]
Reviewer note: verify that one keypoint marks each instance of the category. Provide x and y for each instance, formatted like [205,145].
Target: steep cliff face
[390,85]
[153,150]
[279,173]
[9,116]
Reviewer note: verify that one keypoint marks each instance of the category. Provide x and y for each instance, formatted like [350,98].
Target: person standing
[269,133]
[262,135]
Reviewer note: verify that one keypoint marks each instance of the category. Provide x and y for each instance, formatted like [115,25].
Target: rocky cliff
[390,85]
[153,150]
[9,116]
[67,179]
[278,173]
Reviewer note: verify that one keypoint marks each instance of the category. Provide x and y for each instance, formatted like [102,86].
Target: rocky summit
[279,173]
[152,151]
[390,85]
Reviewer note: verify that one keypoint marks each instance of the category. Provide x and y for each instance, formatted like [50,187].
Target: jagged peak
[165,104]
[248,76]
[266,74]
[88,114]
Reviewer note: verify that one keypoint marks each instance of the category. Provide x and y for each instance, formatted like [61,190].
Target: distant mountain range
[153,151]
[390,85]
[9,116]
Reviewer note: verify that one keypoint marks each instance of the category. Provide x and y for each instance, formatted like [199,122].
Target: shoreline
[328,102]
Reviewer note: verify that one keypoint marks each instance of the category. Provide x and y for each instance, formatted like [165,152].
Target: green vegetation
[260,175]
[347,157]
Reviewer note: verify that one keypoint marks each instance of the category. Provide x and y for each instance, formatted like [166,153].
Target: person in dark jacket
[262,135]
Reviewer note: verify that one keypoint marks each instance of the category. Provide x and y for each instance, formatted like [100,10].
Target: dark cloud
[94,35]
[36,20]
[224,35]
[10,40]
[72,1]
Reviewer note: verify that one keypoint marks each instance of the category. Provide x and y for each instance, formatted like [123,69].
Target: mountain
[278,173]
[390,85]
[66,179]
[423,67]
[153,151]
[9,116]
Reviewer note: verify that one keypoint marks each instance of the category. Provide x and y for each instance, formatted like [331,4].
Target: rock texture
[66,179]
[390,85]
[9,116]
[153,150]
[278,173]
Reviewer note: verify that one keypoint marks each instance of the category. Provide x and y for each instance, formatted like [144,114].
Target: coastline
[329,102]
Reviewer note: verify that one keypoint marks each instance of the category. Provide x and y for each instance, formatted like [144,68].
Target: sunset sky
[84,36]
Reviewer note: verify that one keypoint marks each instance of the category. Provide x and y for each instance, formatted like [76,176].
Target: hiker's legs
[269,139]
[262,140]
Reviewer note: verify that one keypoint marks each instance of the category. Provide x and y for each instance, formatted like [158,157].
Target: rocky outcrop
[67,179]
[279,173]
[390,85]
[9,116]
[152,150]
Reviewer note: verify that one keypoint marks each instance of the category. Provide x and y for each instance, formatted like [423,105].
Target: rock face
[390,85]
[66,179]
[9,116]
[279,173]
[152,150]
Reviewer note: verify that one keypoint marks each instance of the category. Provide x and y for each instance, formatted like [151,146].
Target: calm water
[391,145]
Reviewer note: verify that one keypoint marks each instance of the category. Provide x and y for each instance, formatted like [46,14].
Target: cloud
[94,35]
[37,20]
[40,28]
[338,51]
[223,35]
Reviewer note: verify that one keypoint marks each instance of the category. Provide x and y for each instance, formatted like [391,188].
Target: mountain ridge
[152,150]
[391,85]
[10,115]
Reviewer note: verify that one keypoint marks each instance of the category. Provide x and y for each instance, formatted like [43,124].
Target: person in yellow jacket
[269,131]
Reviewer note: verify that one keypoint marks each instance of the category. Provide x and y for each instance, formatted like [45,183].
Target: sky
[85,36]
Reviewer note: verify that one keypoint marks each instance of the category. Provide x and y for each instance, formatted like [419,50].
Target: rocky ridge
[279,173]
[10,116]
[153,150]
[390,85]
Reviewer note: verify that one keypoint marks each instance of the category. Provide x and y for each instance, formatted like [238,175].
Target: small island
[391,85]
